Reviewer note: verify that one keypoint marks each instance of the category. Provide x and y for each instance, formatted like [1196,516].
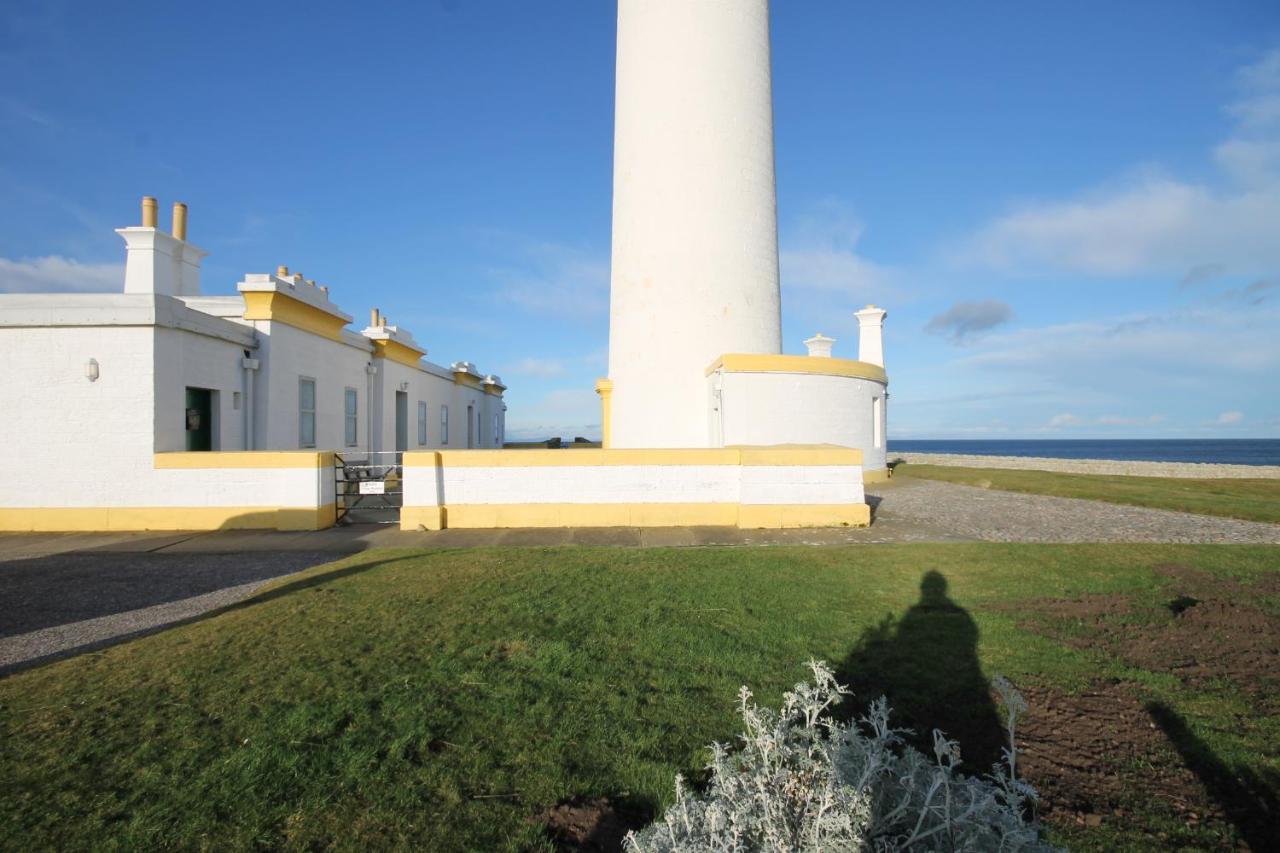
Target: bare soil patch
[1210,627]
[1100,754]
[1097,757]
[596,825]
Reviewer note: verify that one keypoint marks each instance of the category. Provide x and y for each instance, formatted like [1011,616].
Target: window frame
[444,424]
[305,414]
[351,416]
[423,415]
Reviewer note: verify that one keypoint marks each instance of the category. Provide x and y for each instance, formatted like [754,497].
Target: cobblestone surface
[996,516]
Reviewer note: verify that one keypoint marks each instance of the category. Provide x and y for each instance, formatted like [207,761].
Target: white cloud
[821,253]
[1229,418]
[1159,349]
[554,279]
[1153,223]
[566,412]
[1060,422]
[540,367]
[55,274]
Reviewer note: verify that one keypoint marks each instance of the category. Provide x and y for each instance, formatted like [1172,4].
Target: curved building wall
[695,242]
[801,408]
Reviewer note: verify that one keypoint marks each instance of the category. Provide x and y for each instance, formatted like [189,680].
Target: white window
[352,417]
[422,423]
[306,412]
[444,424]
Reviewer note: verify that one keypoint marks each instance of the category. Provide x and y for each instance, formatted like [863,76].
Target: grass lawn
[1254,500]
[443,700]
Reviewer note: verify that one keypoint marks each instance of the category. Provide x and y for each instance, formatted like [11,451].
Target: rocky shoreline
[1196,470]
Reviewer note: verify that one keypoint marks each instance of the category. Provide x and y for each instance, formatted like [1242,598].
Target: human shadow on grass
[284,589]
[1249,799]
[926,664]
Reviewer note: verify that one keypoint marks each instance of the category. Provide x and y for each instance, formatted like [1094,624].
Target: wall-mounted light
[91,370]
[404,386]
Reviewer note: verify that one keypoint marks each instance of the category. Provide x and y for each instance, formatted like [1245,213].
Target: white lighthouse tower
[695,235]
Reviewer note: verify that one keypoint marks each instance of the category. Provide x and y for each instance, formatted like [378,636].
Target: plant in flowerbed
[804,781]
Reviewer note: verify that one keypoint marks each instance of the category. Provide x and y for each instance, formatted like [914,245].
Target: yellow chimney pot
[179,220]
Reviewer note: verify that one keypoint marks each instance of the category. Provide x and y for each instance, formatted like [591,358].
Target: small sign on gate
[373,487]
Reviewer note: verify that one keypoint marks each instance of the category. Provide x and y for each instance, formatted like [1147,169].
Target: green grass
[1254,500]
[441,700]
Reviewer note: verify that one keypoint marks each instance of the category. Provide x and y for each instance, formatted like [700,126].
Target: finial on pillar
[820,345]
[150,211]
[179,220]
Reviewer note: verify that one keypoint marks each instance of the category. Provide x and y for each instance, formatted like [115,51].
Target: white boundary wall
[750,487]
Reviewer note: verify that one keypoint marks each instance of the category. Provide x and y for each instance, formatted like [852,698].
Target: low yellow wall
[185,517]
[83,519]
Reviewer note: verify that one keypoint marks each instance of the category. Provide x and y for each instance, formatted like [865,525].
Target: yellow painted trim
[604,387]
[585,457]
[590,515]
[70,519]
[815,455]
[494,390]
[416,517]
[420,459]
[800,455]
[774,516]
[876,475]
[636,515]
[283,308]
[397,352]
[463,378]
[756,363]
[245,459]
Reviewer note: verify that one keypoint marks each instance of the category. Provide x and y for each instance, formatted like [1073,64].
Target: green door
[199,419]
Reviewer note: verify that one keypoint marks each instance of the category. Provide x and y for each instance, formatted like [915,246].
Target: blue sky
[1070,211]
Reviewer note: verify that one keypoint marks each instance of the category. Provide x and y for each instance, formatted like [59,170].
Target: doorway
[402,421]
[199,419]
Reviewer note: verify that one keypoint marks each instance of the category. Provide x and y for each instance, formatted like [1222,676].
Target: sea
[1234,451]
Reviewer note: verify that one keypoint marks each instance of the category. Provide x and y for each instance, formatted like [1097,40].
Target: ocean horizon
[1235,451]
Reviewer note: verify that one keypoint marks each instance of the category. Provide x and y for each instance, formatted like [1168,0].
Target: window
[497,439]
[422,423]
[444,424]
[306,412]
[352,417]
[877,421]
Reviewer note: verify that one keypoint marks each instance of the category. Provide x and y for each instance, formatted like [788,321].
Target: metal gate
[369,487]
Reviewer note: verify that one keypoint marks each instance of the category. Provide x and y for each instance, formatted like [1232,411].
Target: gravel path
[997,516]
[1096,466]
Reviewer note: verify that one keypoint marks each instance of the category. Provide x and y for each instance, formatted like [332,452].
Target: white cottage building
[108,395]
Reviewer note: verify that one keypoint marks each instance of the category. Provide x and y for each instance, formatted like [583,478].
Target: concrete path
[62,594]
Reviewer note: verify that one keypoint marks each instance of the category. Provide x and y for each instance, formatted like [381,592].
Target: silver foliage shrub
[803,782]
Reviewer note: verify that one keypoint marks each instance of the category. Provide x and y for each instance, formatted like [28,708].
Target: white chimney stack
[871,334]
[157,262]
[820,346]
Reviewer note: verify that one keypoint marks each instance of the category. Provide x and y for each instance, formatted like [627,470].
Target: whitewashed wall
[287,354]
[801,408]
[457,481]
[183,360]
[695,242]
